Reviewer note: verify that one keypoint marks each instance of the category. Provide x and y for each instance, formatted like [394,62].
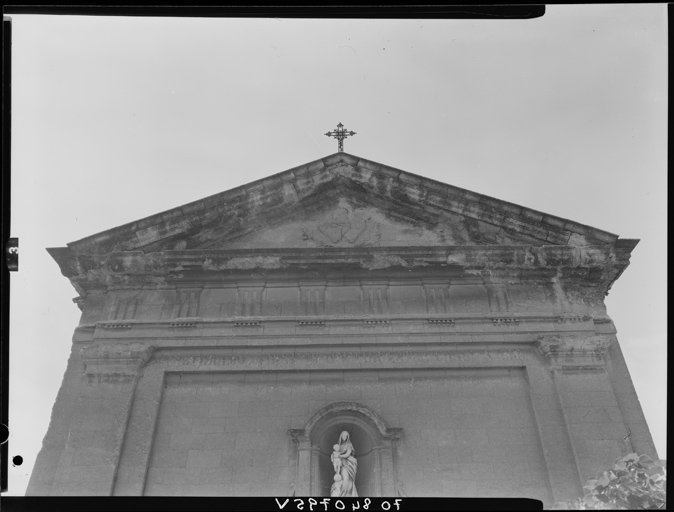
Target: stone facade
[463,341]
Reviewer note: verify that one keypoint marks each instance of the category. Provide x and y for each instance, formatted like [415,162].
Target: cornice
[453,326]
[594,266]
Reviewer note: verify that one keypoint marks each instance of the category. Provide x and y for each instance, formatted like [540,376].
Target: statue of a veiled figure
[345,465]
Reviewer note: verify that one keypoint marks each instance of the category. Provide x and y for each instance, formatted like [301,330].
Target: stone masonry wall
[501,385]
[470,332]
[466,432]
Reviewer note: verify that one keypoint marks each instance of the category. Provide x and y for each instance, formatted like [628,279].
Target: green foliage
[635,482]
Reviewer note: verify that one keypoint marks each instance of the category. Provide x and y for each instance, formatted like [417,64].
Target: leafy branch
[633,482]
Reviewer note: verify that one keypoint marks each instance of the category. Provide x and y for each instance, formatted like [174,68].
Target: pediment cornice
[595,267]
[251,206]
[345,210]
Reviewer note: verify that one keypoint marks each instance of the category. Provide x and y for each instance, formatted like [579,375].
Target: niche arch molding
[372,435]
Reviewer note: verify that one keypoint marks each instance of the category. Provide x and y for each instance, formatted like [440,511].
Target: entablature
[111,360]
[597,267]
[266,330]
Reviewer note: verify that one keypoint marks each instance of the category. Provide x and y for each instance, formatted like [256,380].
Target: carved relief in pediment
[344,228]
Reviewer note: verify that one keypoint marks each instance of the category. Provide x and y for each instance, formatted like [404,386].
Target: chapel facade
[224,346]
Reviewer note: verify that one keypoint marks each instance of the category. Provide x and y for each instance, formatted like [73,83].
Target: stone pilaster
[639,436]
[140,435]
[303,483]
[591,411]
[88,463]
[554,436]
[388,475]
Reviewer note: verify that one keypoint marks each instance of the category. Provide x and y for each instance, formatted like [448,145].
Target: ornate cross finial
[340,134]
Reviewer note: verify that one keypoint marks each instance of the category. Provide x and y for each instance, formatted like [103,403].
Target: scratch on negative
[347,46]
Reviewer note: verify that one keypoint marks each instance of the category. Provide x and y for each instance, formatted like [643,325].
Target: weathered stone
[224,344]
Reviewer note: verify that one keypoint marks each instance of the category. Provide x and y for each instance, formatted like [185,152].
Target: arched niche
[373,441]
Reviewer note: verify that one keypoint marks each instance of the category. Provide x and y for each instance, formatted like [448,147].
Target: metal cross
[340,134]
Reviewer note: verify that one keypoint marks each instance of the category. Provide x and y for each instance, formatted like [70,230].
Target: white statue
[336,489]
[336,458]
[345,465]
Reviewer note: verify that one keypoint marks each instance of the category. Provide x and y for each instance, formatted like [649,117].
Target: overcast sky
[115,119]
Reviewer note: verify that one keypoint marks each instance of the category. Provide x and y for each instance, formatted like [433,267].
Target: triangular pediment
[332,212]
[342,201]
[343,219]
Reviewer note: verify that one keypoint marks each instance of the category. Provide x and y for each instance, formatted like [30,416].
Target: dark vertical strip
[189,299]
[197,302]
[4,285]
[134,308]
[258,301]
